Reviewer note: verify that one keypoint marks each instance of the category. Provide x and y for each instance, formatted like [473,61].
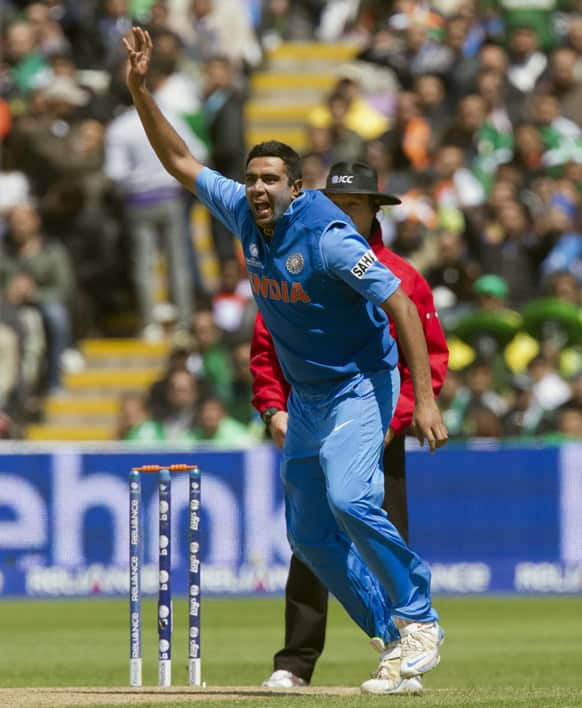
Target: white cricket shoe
[420,642]
[386,678]
[283,679]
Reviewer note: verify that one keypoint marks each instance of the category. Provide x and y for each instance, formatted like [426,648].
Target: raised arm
[427,421]
[167,144]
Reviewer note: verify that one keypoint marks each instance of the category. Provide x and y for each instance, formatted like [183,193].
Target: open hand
[428,425]
[139,54]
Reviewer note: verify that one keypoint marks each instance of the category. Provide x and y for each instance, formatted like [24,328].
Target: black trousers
[306,597]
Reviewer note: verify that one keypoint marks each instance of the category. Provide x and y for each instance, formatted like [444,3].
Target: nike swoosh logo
[342,425]
[414,663]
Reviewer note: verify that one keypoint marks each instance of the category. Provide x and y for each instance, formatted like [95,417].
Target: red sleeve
[438,355]
[270,389]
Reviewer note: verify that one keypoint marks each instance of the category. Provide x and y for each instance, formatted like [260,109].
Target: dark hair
[223,59]
[274,148]
[163,65]
[212,398]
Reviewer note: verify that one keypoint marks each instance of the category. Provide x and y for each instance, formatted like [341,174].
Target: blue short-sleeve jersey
[317,284]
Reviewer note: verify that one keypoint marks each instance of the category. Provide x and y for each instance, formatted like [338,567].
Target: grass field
[498,652]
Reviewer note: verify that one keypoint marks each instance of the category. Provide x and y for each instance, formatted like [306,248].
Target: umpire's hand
[278,428]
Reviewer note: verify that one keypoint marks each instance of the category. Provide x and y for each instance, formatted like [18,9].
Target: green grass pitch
[498,651]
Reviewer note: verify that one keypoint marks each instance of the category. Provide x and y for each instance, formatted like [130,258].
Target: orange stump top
[171,468]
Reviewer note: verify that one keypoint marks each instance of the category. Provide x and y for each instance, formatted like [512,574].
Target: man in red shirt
[306,597]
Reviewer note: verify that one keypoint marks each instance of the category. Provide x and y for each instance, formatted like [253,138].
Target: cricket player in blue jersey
[324,297]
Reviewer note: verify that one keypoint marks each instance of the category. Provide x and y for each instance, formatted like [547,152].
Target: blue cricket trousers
[334,487]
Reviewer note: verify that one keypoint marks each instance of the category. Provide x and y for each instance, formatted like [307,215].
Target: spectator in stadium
[380,159]
[231,298]
[524,416]
[508,248]
[479,394]
[569,422]
[85,213]
[286,21]
[347,144]
[561,138]
[306,597]
[527,63]
[181,91]
[113,23]
[240,406]
[211,28]
[49,35]
[491,87]
[134,422]
[455,270]
[314,170]
[211,362]
[408,139]
[360,117]
[563,82]
[14,185]
[46,144]
[462,71]
[493,57]
[157,396]
[528,153]
[157,15]
[27,66]
[415,242]
[24,319]
[155,206]
[482,422]
[414,49]
[10,346]
[46,275]
[452,401]
[561,240]
[223,117]
[565,286]
[183,404]
[433,104]
[464,128]
[216,427]
[455,186]
[98,105]
[549,388]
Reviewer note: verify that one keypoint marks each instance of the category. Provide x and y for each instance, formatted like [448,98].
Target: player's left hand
[428,425]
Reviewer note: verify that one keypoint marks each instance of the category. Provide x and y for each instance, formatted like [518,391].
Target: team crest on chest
[254,250]
[295,263]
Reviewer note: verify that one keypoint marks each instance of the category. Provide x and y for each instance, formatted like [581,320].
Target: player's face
[359,208]
[268,190]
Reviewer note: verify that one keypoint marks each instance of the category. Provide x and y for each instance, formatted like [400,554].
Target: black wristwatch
[266,416]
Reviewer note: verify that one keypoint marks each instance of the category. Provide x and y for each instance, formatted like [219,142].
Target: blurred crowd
[470,111]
